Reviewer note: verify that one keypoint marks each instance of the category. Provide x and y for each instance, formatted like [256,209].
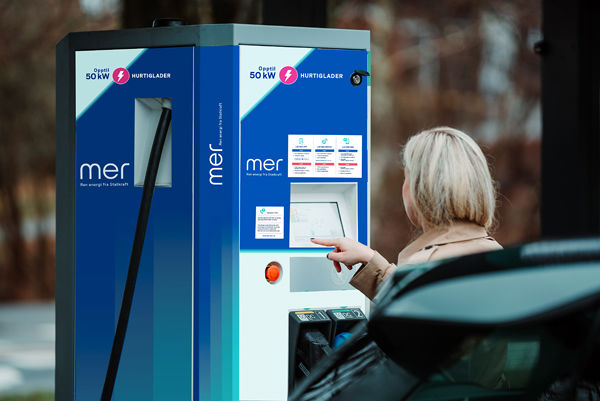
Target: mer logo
[215,160]
[94,171]
[260,165]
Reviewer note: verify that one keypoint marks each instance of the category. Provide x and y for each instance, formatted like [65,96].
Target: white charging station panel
[264,309]
[303,174]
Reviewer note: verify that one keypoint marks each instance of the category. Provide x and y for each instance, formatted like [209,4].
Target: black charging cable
[136,250]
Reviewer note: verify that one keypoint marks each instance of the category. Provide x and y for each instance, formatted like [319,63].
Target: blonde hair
[449,178]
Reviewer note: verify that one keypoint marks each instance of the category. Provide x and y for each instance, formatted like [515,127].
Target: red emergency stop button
[273,272]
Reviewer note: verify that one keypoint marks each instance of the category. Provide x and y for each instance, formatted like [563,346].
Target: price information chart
[336,156]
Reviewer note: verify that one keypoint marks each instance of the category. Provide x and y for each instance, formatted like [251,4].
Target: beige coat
[461,238]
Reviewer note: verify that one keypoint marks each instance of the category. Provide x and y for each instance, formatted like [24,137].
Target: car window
[503,364]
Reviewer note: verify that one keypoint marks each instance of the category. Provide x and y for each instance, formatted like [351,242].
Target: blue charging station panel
[268,146]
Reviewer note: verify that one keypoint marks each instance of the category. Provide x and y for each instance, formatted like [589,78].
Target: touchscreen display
[314,220]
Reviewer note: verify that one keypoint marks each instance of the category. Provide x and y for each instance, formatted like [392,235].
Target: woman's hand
[347,251]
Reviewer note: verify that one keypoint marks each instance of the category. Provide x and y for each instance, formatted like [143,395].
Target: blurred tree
[141,13]
[27,139]
[225,11]
[463,63]
[311,13]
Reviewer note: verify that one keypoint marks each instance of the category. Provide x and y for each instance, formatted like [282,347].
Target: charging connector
[313,347]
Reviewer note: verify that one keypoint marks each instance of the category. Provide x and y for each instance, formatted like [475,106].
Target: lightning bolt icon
[120,76]
[287,75]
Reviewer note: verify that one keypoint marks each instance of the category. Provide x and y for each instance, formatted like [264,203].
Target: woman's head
[448,179]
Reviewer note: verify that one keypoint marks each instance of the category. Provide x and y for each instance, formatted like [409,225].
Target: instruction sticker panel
[269,222]
[337,156]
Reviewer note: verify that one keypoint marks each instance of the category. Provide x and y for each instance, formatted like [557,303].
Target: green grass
[28,397]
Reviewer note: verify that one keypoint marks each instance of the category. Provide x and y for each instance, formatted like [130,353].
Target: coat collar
[458,231]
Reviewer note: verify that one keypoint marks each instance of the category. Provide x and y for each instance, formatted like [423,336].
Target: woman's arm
[349,252]
[370,275]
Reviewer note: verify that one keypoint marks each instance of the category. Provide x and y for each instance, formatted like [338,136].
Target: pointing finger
[325,242]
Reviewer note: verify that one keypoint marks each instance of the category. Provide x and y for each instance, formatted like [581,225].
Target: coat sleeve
[369,276]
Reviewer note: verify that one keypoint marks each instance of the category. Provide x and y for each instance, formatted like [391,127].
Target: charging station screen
[314,220]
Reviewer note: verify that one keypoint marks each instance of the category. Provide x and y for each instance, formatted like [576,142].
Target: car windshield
[508,363]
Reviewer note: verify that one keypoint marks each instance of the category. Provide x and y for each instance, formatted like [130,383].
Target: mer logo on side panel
[103,175]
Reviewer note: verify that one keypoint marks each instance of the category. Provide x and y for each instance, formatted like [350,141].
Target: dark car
[517,324]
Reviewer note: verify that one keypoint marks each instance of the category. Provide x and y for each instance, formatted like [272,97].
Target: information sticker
[269,222]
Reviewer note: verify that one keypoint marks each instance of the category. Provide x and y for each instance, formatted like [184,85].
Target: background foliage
[462,63]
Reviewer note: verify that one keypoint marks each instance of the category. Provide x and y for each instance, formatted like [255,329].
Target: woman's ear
[407,199]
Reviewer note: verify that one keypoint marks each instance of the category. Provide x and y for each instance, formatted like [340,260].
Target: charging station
[266,145]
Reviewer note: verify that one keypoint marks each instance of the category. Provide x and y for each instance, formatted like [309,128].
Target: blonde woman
[448,193]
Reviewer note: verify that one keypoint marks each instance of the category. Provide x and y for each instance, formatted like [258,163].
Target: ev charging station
[265,144]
